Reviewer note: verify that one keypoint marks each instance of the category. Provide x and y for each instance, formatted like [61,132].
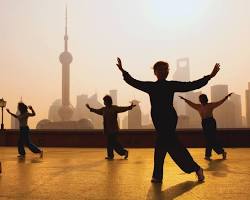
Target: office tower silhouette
[236,100]
[248,105]
[134,116]
[224,114]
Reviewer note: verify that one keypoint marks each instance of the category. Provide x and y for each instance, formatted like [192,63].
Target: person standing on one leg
[205,110]
[110,124]
[164,116]
[24,137]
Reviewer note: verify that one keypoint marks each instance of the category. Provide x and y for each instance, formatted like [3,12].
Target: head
[203,99]
[107,100]
[22,108]
[161,70]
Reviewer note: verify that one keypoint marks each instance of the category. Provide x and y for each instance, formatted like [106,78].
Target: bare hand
[119,64]
[229,94]
[7,109]
[30,107]
[87,105]
[215,70]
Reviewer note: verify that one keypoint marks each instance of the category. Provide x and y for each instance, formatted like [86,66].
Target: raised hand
[7,109]
[119,64]
[229,94]
[87,105]
[30,107]
[215,70]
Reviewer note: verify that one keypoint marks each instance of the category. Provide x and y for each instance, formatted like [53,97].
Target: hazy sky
[141,32]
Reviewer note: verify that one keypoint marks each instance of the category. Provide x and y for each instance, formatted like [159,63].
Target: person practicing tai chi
[164,116]
[24,137]
[110,124]
[208,123]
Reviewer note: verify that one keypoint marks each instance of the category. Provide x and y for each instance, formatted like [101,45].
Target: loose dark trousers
[167,142]
[113,144]
[209,129]
[24,139]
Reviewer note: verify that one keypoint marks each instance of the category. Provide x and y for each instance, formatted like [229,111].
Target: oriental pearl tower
[66,110]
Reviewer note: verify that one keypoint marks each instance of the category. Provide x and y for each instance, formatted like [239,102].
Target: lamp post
[2,105]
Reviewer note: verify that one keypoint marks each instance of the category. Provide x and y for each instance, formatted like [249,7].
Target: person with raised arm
[164,116]
[208,123]
[110,126]
[24,137]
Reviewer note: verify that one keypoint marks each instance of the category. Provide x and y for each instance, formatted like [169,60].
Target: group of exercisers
[164,117]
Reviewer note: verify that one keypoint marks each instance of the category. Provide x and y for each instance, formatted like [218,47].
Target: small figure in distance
[208,123]
[165,118]
[24,137]
[110,124]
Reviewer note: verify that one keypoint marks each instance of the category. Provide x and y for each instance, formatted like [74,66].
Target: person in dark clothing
[110,124]
[24,138]
[161,93]
[205,110]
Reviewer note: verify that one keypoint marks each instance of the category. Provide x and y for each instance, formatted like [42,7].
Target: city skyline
[31,69]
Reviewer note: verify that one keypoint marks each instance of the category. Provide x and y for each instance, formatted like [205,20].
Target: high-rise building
[182,73]
[14,123]
[225,113]
[248,106]
[66,109]
[236,100]
[134,116]
[193,115]
[53,111]
[113,94]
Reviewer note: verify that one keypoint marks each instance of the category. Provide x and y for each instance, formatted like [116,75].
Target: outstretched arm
[218,103]
[32,111]
[190,103]
[189,86]
[12,114]
[97,111]
[120,109]
[144,86]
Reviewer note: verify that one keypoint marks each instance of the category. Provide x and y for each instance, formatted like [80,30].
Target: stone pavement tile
[79,173]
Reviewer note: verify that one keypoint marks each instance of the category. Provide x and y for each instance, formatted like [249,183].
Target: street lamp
[2,105]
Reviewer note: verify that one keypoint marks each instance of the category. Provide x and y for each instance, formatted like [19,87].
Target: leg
[118,147]
[21,142]
[208,151]
[110,146]
[181,156]
[159,157]
[29,143]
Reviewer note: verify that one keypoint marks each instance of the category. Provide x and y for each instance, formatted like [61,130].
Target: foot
[109,158]
[126,155]
[207,158]
[224,155]
[41,154]
[21,156]
[155,180]
[200,175]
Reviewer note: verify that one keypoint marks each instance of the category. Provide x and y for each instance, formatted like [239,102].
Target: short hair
[22,108]
[107,99]
[203,98]
[159,64]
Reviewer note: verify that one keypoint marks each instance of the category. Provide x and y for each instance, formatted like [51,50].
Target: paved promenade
[80,173]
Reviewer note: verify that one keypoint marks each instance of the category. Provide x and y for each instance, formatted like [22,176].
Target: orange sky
[140,32]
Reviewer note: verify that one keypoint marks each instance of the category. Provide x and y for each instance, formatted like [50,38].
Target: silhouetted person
[208,122]
[110,124]
[164,117]
[0,167]
[24,137]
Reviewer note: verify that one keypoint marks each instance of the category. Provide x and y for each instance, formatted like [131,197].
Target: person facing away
[110,124]
[24,137]
[164,117]
[208,123]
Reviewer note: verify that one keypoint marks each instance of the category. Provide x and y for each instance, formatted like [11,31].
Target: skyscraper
[225,113]
[134,116]
[236,100]
[182,73]
[66,110]
[248,105]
